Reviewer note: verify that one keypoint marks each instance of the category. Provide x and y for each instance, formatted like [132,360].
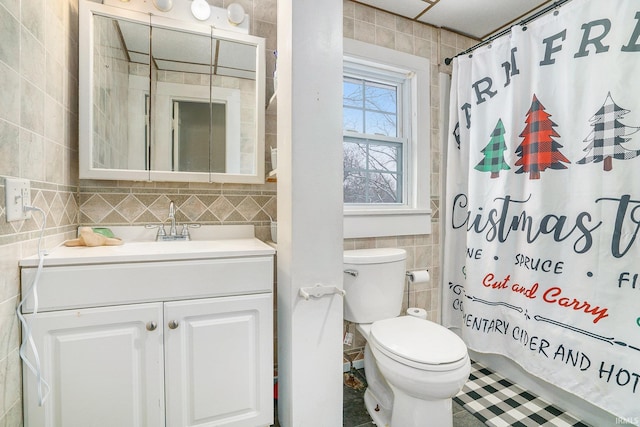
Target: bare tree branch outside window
[372,167]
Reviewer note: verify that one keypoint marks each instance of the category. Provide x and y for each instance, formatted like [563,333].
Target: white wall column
[309,211]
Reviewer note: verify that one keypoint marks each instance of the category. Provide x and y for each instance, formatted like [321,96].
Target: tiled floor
[491,398]
[355,414]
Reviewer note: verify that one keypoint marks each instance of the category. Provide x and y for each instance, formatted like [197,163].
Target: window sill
[386,222]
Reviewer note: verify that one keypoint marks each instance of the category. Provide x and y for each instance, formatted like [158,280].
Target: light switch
[17,196]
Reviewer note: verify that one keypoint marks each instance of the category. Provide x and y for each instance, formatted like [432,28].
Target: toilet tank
[374,283]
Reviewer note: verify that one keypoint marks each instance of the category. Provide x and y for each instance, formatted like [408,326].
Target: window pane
[381,97]
[372,171]
[353,120]
[381,124]
[353,188]
[352,93]
[355,156]
[370,107]
[382,188]
[384,157]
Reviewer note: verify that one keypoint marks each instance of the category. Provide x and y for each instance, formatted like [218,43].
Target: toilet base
[380,415]
[388,407]
[411,412]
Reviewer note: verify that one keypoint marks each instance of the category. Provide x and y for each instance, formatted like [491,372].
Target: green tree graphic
[493,160]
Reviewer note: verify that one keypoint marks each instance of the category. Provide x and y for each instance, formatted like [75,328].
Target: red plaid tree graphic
[538,150]
[608,135]
[493,160]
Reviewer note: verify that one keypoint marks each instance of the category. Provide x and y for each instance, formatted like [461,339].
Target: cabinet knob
[151,326]
[173,324]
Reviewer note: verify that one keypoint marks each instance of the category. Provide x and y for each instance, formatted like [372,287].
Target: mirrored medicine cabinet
[167,100]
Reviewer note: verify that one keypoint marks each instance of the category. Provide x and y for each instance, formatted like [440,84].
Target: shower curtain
[542,223]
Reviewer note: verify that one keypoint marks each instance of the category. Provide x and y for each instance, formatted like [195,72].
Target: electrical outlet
[17,196]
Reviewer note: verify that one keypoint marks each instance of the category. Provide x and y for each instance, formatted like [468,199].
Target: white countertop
[130,252]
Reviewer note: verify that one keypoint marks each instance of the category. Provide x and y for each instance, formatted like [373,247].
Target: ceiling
[475,18]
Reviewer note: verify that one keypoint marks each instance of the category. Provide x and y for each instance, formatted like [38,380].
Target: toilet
[413,366]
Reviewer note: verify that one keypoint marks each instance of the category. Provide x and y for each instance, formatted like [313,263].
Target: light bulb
[235,13]
[163,5]
[201,9]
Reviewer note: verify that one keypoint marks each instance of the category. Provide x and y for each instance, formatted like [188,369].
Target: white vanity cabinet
[218,366]
[173,343]
[103,366]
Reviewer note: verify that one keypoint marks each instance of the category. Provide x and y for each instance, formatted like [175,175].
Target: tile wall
[38,141]
[128,202]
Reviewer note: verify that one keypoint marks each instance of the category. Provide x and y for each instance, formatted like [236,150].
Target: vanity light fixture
[201,10]
[235,13]
[163,5]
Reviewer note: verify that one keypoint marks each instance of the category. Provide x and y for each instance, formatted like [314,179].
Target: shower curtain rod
[539,13]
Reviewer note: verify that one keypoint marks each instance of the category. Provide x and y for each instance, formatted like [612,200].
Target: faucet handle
[160,227]
[185,230]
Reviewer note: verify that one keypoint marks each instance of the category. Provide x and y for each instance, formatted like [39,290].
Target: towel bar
[319,290]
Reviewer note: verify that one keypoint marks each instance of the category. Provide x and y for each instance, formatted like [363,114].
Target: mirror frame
[87,10]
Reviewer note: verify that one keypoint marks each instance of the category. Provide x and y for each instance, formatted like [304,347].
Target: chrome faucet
[172,216]
[173,234]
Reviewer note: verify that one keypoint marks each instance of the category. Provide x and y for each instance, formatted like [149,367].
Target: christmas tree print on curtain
[538,150]
[494,153]
[607,136]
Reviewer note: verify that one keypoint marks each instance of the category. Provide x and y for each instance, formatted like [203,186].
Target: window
[373,146]
[386,142]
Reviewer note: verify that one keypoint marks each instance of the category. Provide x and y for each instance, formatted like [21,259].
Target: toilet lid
[418,340]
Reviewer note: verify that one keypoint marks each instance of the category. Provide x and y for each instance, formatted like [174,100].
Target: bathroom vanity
[153,334]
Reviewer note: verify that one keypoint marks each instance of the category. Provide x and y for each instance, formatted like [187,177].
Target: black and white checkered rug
[497,402]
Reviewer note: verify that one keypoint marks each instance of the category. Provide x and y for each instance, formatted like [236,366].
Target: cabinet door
[219,361]
[104,367]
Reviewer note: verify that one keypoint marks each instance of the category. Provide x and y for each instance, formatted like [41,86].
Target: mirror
[167,100]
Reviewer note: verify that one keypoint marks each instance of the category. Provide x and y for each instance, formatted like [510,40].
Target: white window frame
[357,71]
[413,216]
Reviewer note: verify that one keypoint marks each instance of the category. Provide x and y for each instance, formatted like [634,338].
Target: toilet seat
[418,343]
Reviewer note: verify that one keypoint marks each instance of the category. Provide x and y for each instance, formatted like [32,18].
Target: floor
[500,403]
[355,414]
[486,400]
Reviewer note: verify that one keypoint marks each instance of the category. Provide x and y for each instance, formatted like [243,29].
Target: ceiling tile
[471,17]
[474,18]
[407,8]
